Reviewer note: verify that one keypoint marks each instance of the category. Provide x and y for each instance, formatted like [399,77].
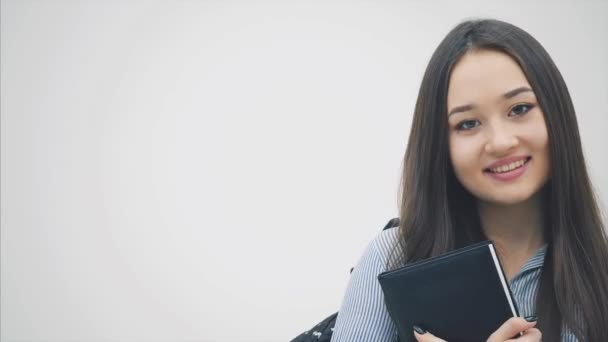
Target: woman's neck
[516,230]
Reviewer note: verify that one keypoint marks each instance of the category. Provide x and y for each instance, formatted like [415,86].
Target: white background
[210,170]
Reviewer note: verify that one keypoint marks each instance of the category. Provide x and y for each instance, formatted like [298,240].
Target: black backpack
[323,330]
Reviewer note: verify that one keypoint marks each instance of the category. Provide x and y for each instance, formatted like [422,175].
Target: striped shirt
[363,315]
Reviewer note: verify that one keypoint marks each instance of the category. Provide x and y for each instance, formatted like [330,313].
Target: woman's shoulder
[386,246]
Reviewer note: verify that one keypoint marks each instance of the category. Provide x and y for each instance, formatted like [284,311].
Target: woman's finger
[511,328]
[425,336]
[530,335]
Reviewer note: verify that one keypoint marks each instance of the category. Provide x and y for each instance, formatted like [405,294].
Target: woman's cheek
[466,167]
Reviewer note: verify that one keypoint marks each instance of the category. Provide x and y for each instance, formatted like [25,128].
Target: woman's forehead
[483,76]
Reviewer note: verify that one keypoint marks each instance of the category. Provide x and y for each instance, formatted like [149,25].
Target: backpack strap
[394,222]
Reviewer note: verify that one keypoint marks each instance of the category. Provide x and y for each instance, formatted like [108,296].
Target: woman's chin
[505,199]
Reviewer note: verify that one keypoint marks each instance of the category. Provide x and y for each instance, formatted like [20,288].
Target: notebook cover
[458,296]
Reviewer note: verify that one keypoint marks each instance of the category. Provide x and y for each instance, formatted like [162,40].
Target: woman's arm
[363,315]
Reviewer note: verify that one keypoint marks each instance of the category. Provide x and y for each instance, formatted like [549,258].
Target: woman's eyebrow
[507,95]
[460,109]
[516,92]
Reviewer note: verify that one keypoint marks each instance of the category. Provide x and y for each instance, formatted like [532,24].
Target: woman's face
[497,134]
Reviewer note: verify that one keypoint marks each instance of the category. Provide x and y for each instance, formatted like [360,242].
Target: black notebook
[460,296]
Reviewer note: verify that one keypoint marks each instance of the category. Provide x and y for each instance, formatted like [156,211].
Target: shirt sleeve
[363,315]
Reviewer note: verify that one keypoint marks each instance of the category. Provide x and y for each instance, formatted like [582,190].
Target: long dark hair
[438,215]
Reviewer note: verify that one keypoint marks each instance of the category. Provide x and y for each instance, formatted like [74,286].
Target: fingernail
[419,330]
[531,318]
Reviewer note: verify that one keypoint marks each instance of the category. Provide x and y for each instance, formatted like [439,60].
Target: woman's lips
[509,175]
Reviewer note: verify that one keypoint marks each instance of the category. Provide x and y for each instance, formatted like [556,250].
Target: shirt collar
[536,261]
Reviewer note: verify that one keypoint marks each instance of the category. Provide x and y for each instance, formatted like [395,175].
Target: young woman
[494,153]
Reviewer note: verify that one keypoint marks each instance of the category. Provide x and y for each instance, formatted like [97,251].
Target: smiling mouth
[510,167]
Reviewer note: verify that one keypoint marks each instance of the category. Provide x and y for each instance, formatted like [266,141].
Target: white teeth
[510,167]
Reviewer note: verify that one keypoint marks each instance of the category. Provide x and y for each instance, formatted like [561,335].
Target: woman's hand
[515,325]
[510,328]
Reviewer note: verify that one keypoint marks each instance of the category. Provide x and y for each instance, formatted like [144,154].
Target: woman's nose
[500,141]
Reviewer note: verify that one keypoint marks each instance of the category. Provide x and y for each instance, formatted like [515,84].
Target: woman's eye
[467,125]
[521,109]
